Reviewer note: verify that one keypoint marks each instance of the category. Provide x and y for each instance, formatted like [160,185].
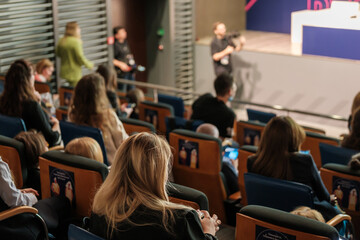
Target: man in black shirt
[123,59]
[214,110]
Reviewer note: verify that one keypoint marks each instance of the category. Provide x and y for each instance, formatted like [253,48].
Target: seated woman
[91,107]
[278,157]
[133,203]
[35,145]
[135,96]
[19,100]
[44,70]
[352,140]
[85,147]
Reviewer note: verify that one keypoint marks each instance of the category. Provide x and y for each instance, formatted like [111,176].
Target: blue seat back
[255,115]
[173,123]
[275,193]
[70,131]
[335,154]
[11,126]
[176,102]
[77,233]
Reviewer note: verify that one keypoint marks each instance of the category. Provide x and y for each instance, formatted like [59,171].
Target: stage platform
[273,71]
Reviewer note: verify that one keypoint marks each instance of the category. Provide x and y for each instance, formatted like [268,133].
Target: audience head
[18,87]
[219,29]
[352,140]
[308,213]
[282,136]
[136,96]
[85,147]
[35,145]
[109,75]
[209,129]
[45,67]
[72,29]
[355,162]
[120,33]
[224,86]
[138,177]
[355,103]
[89,101]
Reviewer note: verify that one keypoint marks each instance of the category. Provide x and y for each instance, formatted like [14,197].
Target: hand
[29,190]
[235,163]
[229,49]
[209,224]
[55,123]
[124,108]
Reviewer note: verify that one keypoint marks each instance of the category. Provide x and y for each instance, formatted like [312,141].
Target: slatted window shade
[26,31]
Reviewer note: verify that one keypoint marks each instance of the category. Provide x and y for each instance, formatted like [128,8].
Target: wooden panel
[241,126]
[42,87]
[242,168]
[11,157]
[160,124]
[64,94]
[130,128]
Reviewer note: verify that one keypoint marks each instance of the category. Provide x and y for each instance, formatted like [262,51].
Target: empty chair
[335,154]
[75,177]
[11,126]
[176,102]
[71,131]
[134,125]
[65,95]
[155,113]
[312,142]
[248,132]
[78,233]
[258,222]
[256,115]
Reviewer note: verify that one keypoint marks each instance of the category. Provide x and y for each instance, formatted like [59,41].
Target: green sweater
[69,50]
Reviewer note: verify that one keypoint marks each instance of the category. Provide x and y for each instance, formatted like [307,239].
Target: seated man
[230,166]
[214,110]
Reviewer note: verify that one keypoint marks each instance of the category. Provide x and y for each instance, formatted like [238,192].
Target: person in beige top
[91,107]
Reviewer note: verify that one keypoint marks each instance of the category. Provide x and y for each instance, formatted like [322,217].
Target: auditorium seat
[75,177]
[335,154]
[42,87]
[70,131]
[176,102]
[11,126]
[187,196]
[256,115]
[65,95]
[312,142]
[248,132]
[13,153]
[134,125]
[155,113]
[62,113]
[78,233]
[175,122]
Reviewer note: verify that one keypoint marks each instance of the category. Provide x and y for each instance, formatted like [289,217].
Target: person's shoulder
[30,104]
[301,158]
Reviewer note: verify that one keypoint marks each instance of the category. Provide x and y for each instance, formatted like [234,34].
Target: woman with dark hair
[352,140]
[278,157]
[91,107]
[133,202]
[19,100]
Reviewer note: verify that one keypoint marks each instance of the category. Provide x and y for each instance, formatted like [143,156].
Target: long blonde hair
[137,178]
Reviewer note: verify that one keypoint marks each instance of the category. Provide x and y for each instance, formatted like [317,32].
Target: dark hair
[17,88]
[223,83]
[282,137]
[89,101]
[109,75]
[117,29]
[353,139]
[354,163]
[35,145]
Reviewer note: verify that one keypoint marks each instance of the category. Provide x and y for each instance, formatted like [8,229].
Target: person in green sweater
[69,50]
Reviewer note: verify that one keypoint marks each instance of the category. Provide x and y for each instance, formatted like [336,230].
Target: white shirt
[12,196]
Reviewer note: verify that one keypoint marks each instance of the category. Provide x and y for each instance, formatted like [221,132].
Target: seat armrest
[235,196]
[338,219]
[15,211]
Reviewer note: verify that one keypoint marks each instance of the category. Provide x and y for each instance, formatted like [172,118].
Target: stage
[273,71]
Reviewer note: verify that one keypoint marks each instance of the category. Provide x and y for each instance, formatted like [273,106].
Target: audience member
[35,145]
[352,140]
[229,166]
[214,110]
[133,203]
[278,157]
[354,163]
[44,70]
[85,147]
[308,213]
[19,100]
[70,52]
[135,96]
[91,107]
[354,106]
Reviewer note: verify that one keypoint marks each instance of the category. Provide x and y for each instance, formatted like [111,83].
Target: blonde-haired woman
[85,147]
[70,51]
[133,203]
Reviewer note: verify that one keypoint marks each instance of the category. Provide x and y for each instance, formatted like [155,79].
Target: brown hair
[35,145]
[216,24]
[109,75]
[282,137]
[353,139]
[308,213]
[43,64]
[17,88]
[355,103]
[89,102]
[71,29]
[85,147]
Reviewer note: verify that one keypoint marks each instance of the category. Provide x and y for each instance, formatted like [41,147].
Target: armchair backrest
[62,113]
[155,113]
[134,125]
[335,154]
[176,102]
[78,233]
[42,87]
[72,176]
[65,95]
[256,115]
[244,152]
[11,126]
[249,132]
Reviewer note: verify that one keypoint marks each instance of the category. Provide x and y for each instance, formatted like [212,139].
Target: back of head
[137,178]
[117,29]
[282,136]
[109,75]
[71,30]
[85,147]
[35,145]
[209,129]
[89,101]
[43,64]
[222,84]
[308,213]
[135,95]
[18,88]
